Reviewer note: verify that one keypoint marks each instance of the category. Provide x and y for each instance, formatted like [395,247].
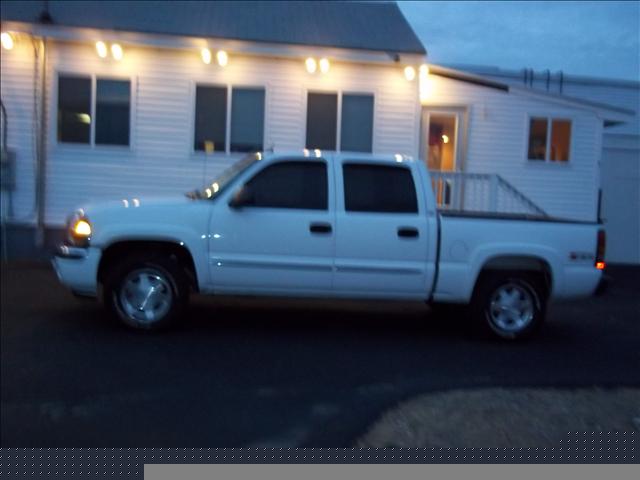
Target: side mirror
[242,197]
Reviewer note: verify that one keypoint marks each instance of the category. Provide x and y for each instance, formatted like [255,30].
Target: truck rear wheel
[509,305]
[146,291]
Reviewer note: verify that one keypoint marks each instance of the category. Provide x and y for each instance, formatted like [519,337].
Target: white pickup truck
[325,225]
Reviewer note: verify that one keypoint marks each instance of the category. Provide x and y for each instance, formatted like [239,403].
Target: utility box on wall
[7,170]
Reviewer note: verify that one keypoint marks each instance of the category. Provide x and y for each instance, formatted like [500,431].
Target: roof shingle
[377,26]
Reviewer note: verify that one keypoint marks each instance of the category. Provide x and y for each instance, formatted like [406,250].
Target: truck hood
[135,206]
[147,215]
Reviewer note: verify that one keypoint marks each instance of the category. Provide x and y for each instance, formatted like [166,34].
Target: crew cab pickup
[325,225]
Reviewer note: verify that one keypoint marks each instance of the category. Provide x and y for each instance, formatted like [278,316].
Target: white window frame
[227,134]
[92,110]
[340,93]
[547,153]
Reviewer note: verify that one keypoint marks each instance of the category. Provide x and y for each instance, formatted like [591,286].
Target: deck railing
[480,192]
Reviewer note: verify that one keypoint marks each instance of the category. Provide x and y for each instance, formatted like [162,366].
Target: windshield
[218,184]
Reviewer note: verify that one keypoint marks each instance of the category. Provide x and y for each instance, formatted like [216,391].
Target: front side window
[74,109]
[378,188]
[291,184]
[549,139]
[111,104]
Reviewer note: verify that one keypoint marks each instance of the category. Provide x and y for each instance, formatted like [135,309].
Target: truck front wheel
[510,305]
[146,291]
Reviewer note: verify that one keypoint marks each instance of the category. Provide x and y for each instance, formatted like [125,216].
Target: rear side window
[378,188]
[291,184]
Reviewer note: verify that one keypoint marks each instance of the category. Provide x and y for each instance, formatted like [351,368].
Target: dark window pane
[537,139]
[297,184]
[560,140]
[74,109]
[322,117]
[112,112]
[247,119]
[356,130]
[211,118]
[379,188]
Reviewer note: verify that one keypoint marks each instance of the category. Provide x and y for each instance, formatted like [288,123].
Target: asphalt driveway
[248,372]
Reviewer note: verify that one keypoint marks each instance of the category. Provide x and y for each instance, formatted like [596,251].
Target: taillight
[600,249]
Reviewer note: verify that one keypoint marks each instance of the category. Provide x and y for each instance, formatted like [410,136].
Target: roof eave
[245,47]
[609,113]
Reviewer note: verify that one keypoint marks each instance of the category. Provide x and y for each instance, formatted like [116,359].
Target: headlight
[79,230]
[82,229]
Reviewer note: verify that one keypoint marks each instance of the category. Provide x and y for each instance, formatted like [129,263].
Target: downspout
[3,212]
[42,153]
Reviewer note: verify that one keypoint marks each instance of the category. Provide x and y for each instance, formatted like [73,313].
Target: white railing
[480,192]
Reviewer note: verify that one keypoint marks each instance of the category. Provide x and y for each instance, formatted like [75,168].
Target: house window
[356,128]
[322,120]
[211,118]
[74,110]
[355,112]
[112,112]
[378,188]
[246,126]
[110,106]
[247,119]
[291,184]
[549,139]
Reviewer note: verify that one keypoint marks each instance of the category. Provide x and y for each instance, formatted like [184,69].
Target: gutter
[41,155]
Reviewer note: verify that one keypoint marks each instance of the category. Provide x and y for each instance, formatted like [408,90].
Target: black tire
[491,307]
[170,283]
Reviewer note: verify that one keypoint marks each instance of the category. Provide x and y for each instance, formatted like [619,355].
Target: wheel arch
[518,263]
[172,249]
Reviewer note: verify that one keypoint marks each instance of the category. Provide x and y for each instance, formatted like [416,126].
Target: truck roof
[331,155]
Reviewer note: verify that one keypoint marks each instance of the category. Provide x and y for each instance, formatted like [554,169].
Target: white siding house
[161,73]
[161,157]
[497,141]
[619,165]
[476,135]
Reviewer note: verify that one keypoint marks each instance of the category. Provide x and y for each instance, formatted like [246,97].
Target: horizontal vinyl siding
[17,89]
[497,143]
[623,97]
[160,160]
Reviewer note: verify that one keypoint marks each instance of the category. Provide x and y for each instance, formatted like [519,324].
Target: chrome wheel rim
[145,296]
[511,308]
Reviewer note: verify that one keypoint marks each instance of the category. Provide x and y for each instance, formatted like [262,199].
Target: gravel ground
[499,417]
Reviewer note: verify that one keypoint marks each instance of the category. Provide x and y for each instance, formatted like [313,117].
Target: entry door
[382,237]
[282,240]
[442,142]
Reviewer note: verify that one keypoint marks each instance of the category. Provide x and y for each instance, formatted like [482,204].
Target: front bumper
[77,268]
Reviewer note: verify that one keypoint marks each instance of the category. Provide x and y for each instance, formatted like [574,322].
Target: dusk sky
[583,38]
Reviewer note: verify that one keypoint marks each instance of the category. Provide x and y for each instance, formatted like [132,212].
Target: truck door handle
[320,227]
[408,232]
